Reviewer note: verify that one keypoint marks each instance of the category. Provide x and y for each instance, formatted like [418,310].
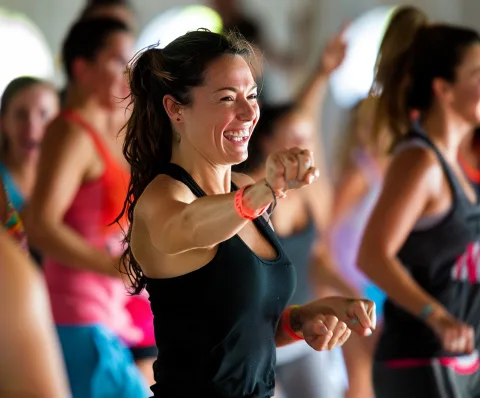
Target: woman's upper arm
[408,186]
[158,215]
[66,152]
[162,215]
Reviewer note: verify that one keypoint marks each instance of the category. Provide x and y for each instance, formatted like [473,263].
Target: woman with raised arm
[31,363]
[420,245]
[216,273]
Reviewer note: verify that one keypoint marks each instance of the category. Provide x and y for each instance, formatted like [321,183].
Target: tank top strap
[75,118]
[180,174]
[457,190]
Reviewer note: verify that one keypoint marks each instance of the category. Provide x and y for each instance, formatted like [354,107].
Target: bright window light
[176,22]
[24,49]
[352,80]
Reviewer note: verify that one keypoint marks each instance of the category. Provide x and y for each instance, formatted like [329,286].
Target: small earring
[178,119]
[177,137]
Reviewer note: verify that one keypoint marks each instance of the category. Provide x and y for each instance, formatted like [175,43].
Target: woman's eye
[253,96]
[227,99]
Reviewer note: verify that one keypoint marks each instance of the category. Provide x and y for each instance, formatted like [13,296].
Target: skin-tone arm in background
[31,363]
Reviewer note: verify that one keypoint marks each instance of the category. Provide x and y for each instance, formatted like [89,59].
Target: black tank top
[298,247]
[215,327]
[445,261]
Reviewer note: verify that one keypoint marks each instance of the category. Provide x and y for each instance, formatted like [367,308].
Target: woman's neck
[213,179]
[447,133]
[23,171]
[88,108]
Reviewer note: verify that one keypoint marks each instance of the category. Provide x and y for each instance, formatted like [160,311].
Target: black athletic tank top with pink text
[215,327]
[445,260]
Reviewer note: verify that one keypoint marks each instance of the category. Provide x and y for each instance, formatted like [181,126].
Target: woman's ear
[173,108]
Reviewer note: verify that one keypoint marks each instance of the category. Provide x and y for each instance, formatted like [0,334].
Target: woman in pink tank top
[80,189]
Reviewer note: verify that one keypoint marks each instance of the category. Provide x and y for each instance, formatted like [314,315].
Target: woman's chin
[238,158]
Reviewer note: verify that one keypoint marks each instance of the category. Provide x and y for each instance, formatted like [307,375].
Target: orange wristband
[286,323]
[242,210]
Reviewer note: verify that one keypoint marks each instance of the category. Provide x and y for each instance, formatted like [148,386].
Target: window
[24,49]
[177,21]
[352,80]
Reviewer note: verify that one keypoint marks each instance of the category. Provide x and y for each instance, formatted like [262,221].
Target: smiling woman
[28,104]
[216,273]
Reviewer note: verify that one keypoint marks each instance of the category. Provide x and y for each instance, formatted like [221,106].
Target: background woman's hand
[455,336]
[290,169]
[334,53]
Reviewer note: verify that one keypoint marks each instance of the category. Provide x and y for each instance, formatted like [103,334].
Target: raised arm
[313,91]
[31,363]
[66,158]
[311,96]
[177,222]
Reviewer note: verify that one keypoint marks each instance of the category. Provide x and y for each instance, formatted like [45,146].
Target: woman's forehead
[229,71]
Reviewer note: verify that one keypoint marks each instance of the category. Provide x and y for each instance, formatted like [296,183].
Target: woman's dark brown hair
[412,54]
[154,73]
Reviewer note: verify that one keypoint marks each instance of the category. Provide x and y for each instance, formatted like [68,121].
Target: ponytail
[147,145]
[393,72]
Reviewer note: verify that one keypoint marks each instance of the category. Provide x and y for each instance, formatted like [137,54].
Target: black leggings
[434,381]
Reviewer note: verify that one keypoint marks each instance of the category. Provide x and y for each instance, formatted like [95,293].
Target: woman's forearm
[66,246]
[396,282]
[209,220]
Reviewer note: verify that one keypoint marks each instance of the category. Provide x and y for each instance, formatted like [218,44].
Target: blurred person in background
[31,363]
[421,242]
[27,106]
[138,306]
[233,18]
[10,220]
[300,221]
[82,179]
[115,9]
[362,165]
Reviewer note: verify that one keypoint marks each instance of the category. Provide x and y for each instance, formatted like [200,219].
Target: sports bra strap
[74,117]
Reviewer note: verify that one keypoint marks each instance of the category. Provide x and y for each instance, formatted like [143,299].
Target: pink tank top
[82,297]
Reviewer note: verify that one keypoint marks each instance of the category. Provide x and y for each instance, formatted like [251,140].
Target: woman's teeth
[237,136]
